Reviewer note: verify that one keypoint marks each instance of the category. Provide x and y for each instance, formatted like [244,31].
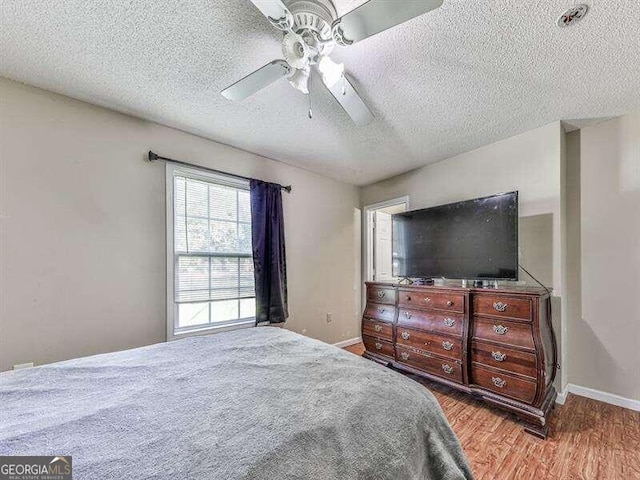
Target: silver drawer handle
[381,293]
[407,315]
[405,335]
[449,303]
[447,368]
[427,299]
[381,309]
[449,322]
[500,329]
[447,345]
[378,346]
[498,382]
[404,355]
[499,356]
[378,328]
[500,307]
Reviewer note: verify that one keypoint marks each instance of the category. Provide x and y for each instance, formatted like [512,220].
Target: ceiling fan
[311,30]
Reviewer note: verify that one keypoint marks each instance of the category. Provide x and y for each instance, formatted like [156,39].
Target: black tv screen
[474,239]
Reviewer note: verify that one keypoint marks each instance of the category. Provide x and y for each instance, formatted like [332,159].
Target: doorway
[379,241]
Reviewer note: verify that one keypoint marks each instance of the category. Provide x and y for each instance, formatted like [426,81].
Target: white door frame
[367,234]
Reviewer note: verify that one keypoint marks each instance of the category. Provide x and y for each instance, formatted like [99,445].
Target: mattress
[259,403]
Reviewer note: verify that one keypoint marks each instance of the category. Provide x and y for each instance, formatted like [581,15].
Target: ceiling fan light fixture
[331,71]
[300,80]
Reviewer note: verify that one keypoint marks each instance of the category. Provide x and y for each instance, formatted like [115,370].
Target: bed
[260,403]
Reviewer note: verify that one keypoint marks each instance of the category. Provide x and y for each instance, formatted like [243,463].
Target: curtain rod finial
[152,156]
[287,188]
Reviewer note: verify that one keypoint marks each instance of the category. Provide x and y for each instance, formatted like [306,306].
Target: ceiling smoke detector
[573,15]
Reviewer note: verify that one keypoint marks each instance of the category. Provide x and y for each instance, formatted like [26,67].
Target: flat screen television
[473,239]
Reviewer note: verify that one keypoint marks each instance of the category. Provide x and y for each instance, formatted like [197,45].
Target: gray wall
[82,230]
[604,342]
[535,236]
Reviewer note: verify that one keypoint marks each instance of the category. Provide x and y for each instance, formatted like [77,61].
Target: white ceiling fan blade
[276,12]
[257,80]
[376,16]
[349,99]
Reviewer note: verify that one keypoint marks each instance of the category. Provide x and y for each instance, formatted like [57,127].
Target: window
[209,261]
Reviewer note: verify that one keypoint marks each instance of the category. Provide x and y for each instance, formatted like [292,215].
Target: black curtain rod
[155,156]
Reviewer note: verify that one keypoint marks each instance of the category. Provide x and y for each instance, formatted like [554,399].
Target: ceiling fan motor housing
[313,15]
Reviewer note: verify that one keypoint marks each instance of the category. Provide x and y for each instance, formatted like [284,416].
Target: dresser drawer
[379,294]
[377,329]
[449,369]
[386,313]
[437,344]
[504,358]
[504,384]
[503,331]
[453,302]
[377,346]
[441,322]
[502,306]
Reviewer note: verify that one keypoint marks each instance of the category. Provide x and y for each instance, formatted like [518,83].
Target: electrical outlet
[22,366]
[329,317]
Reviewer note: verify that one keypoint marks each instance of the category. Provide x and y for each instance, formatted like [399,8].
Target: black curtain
[269,262]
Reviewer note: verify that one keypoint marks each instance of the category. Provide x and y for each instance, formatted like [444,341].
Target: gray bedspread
[260,403]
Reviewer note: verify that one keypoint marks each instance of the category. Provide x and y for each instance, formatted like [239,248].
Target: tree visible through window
[213,264]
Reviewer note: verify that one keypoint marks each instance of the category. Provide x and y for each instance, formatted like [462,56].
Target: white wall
[604,344]
[533,164]
[82,230]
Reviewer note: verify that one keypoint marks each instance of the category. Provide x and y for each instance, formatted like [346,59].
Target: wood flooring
[587,440]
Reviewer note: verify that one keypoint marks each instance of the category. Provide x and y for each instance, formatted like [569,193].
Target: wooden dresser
[497,344]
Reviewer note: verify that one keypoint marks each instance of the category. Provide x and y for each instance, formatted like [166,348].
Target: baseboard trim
[348,343]
[562,396]
[601,396]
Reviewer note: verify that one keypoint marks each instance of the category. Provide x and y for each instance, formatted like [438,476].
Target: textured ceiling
[462,76]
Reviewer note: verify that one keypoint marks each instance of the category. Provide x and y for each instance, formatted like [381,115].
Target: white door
[382,247]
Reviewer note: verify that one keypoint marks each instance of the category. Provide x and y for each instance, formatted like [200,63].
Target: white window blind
[212,255]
